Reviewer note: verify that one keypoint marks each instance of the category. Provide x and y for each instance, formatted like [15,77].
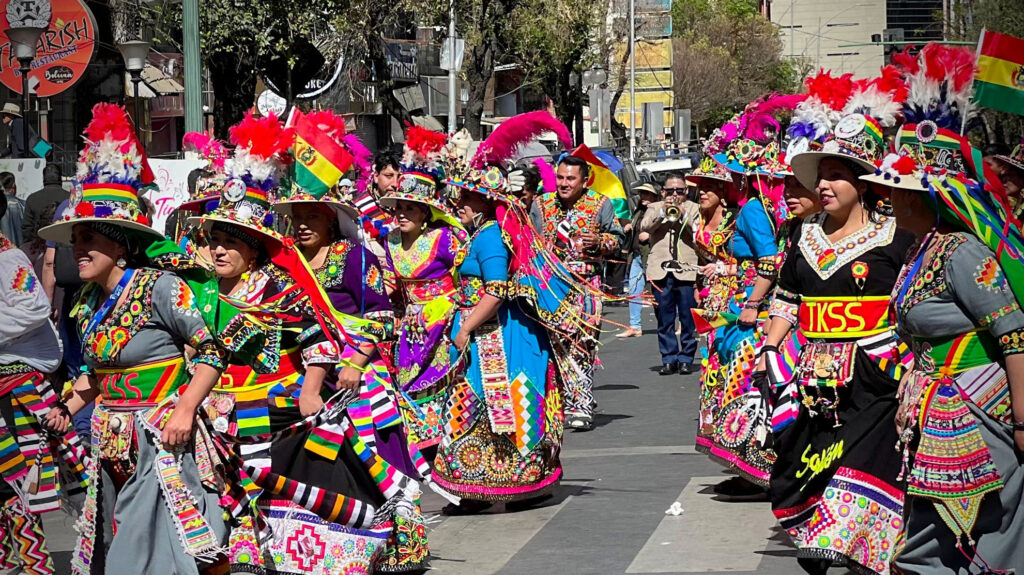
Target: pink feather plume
[761,122]
[547,174]
[516,132]
[208,147]
[363,160]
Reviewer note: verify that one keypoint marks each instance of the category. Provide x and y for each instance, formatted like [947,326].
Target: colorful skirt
[37,469]
[479,464]
[834,485]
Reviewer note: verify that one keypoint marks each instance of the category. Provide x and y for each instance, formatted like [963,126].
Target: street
[608,515]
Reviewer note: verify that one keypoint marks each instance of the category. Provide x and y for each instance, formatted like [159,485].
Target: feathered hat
[815,117]
[749,144]
[938,82]
[421,171]
[205,147]
[872,106]
[481,174]
[323,153]
[711,170]
[252,176]
[1016,157]
[111,169]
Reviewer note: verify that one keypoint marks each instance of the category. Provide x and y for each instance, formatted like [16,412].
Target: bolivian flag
[604,181]
[999,81]
[320,162]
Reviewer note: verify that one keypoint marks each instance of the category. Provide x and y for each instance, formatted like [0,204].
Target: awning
[154,83]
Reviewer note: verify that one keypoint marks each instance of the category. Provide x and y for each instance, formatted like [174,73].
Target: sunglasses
[676,191]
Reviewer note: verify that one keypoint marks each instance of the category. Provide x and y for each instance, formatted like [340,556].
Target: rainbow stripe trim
[109,193]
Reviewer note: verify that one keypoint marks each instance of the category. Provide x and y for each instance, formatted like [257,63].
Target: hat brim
[10,113]
[60,232]
[390,201]
[206,222]
[697,178]
[1019,164]
[285,207]
[195,205]
[805,166]
[908,183]
[487,194]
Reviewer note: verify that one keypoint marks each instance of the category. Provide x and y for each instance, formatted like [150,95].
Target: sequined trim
[826,258]
[1012,342]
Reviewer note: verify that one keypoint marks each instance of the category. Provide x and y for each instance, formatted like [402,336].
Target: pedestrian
[846,260]
[40,207]
[639,244]
[14,144]
[135,322]
[12,223]
[580,226]
[422,254]
[672,270]
[387,167]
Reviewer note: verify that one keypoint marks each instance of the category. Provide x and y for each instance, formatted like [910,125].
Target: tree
[552,42]
[725,55]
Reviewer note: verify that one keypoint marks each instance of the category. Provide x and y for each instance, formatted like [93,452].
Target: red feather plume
[833,91]
[264,137]
[109,121]
[424,142]
[906,61]
[956,62]
[328,122]
[892,82]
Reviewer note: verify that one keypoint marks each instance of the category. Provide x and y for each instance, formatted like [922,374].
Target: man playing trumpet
[671,267]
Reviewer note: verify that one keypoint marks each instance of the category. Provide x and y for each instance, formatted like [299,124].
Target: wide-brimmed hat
[253,177]
[11,109]
[710,170]
[487,180]
[1016,157]
[926,148]
[111,170]
[214,177]
[856,138]
[416,186]
[422,172]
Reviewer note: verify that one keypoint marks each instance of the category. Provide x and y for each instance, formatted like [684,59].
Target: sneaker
[580,423]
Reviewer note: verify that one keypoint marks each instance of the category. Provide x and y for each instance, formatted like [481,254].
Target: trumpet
[673,213]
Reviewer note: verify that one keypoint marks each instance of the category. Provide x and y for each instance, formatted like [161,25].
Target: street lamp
[596,78]
[26,20]
[134,53]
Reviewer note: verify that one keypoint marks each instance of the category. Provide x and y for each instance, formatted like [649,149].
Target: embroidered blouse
[753,243]
[154,322]
[961,288]
[354,282]
[866,263]
[592,212]
[27,338]
[485,269]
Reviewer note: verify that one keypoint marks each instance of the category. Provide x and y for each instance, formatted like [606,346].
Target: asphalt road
[608,515]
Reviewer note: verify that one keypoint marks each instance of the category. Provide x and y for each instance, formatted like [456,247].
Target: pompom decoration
[905,165]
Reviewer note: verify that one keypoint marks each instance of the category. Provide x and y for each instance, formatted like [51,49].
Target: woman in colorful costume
[503,421]
[29,349]
[716,284]
[322,218]
[746,147]
[958,302]
[833,486]
[320,481]
[422,255]
[204,195]
[154,471]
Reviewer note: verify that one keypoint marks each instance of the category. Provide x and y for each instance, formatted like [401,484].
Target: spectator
[672,268]
[11,223]
[40,206]
[14,139]
[531,185]
[638,248]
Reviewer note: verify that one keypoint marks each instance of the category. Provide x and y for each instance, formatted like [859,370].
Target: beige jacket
[663,233]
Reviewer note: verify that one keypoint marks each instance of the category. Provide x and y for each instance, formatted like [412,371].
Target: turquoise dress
[503,417]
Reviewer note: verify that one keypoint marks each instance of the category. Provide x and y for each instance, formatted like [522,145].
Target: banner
[28,174]
[172,178]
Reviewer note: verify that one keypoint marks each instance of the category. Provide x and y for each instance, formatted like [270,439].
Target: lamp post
[595,78]
[27,21]
[134,53]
